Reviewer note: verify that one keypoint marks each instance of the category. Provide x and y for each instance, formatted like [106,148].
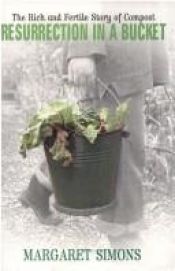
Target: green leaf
[104,114]
[30,139]
[118,119]
[90,132]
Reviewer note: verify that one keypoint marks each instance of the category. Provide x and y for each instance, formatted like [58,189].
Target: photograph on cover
[88,136]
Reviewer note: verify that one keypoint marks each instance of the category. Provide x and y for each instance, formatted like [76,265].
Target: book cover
[88,135]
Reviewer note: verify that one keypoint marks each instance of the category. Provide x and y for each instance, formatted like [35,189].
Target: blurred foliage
[160,141]
[34,73]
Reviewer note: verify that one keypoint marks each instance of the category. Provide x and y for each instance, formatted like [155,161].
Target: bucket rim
[102,135]
[118,131]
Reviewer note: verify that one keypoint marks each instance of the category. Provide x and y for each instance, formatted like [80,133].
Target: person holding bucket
[128,68]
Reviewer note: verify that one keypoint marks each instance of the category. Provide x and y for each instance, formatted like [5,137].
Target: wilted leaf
[59,116]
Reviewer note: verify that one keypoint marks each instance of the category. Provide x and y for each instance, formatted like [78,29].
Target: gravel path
[21,228]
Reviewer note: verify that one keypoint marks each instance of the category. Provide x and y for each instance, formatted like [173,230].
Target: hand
[82,71]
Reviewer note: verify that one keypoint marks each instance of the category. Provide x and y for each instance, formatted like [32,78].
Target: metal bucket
[88,185]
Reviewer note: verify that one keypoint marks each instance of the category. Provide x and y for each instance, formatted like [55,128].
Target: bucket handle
[125,133]
[102,84]
[108,89]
